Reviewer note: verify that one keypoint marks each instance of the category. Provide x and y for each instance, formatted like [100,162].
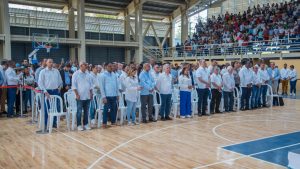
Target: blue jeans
[293,86]
[131,110]
[92,109]
[11,99]
[111,106]
[185,103]
[27,97]
[246,93]
[202,100]
[228,101]
[165,105]
[255,96]
[51,92]
[83,105]
[263,94]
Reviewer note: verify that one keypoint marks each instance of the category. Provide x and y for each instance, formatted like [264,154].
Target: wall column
[128,58]
[5,47]
[81,30]
[71,18]
[139,32]
[184,26]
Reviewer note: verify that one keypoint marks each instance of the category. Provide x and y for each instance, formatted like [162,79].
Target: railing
[287,45]
[152,51]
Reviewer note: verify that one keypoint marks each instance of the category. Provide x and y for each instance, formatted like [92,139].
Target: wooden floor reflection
[181,143]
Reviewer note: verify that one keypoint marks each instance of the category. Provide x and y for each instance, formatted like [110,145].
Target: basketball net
[48,48]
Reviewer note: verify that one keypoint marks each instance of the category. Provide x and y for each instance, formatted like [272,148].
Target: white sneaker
[93,121]
[80,128]
[135,123]
[87,127]
[129,124]
[182,117]
[188,116]
[294,94]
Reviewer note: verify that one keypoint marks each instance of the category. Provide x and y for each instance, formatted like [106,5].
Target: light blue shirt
[147,82]
[67,78]
[1,79]
[109,84]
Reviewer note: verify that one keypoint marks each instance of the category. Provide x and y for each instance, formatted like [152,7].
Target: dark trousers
[11,98]
[246,93]
[147,100]
[202,100]
[51,92]
[111,107]
[27,98]
[263,93]
[293,86]
[165,105]
[215,101]
[18,103]
[83,105]
[228,100]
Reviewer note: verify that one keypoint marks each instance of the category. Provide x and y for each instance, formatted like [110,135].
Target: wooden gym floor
[181,143]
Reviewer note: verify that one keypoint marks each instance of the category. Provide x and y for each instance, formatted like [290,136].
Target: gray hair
[82,63]
[165,67]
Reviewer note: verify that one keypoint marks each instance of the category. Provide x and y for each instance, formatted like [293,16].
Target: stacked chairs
[175,101]
[71,106]
[99,109]
[237,99]
[54,106]
[156,103]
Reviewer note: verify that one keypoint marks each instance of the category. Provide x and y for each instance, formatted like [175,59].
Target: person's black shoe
[199,114]
[243,109]
[163,119]
[4,112]
[152,120]
[25,112]
[144,121]
[10,116]
[218,111]
[168,118]
[54,126]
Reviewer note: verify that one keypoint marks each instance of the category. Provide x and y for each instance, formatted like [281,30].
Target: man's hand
[67,87]
[190,87]
[139,88]
[47,95]
[77,96]
[151,90]
[104,100]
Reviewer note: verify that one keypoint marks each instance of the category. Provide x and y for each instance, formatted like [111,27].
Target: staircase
[150,51]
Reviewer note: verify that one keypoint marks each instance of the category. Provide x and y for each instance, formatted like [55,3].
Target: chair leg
[73,120]
[58,121]
[208,107]
[50,124]
[140,115]
[175,109]
[99,118]
[156,112]
[68,121]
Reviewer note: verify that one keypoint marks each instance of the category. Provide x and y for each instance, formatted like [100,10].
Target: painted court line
[131,140]
[101,152]
[244,156]
[233,143]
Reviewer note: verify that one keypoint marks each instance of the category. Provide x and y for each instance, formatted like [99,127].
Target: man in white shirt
[284,75]
[228,89]
[246,80]
[155,72]
[50,82]
[265,77]
[216,90]
[164,85]
[257,82]
[203,85]
[82,84]
[293,80]
[12,79]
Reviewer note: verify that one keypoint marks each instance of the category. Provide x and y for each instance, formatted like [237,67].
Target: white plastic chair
[38,109]
[71,106]
[175,101]
[194,98]
[237,99]
[156,103]
[121,108]
[99,109]
[139,106]
[52,104]
[271,95]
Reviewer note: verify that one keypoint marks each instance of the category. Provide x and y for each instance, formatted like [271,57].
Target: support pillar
[5,47]
[81,30]
[139,32]
[71,18]
[128,58]
[184,26]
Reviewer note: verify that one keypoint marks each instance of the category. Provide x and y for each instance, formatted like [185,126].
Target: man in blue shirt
[109,93]
[147,83]
[66,76]
[274,77]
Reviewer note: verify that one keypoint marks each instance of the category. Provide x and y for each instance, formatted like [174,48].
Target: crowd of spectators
[253,30]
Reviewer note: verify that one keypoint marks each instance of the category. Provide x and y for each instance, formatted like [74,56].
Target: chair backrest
[175,95]
[138,103]
[121,102]
[194,95]
[54,104]
[70,101]
[156,98]
[38,98]
[97,101]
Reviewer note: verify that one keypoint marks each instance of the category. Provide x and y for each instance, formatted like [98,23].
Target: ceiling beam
[54,4]
[174,3]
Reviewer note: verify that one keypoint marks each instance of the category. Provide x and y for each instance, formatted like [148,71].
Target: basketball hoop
[48,48]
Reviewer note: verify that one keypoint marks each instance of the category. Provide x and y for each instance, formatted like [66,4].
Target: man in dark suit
[66,76]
